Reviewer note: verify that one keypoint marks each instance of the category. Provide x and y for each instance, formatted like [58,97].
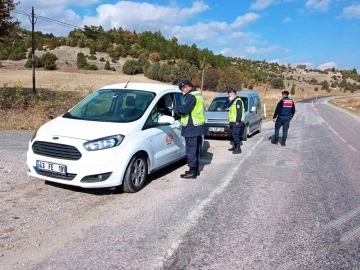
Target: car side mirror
[166,120]
[206,108]
[253,109]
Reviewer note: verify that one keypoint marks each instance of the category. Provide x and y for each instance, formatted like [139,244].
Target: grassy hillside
[163,60]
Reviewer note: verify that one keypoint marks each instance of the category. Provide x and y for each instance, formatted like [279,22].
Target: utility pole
[202,77]
[33,49]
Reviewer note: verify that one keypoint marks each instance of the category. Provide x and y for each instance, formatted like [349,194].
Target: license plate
[216,129]
[50,167]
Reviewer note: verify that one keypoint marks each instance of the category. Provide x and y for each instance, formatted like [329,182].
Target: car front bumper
[110,163]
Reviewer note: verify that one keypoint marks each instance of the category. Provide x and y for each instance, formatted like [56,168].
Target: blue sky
[319,33]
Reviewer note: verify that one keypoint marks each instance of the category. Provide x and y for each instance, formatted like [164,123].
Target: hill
[162,59]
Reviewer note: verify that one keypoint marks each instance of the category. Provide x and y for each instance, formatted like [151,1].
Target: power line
[49,20]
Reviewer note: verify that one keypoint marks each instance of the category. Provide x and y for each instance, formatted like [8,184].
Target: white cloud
[245,19]
[351,12]
[261,4]
[327,65]
[148,16]
[266,50]
[287,19]
[319,5]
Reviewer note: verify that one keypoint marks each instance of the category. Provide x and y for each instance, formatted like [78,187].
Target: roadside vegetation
[351,103]
[99,53]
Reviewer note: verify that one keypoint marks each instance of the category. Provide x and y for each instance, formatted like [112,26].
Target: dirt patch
[351,103]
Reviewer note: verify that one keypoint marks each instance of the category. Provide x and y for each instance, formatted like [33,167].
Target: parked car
[217,120]
[115,136]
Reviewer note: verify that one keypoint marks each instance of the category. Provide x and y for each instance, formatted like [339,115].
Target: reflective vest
[233,110]
[198,113]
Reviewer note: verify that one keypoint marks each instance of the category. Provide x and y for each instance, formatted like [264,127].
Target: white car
[115,136]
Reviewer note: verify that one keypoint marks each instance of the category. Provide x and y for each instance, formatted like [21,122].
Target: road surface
[272,207]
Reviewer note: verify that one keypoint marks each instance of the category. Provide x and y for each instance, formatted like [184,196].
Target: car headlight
[104,143]
[34,135]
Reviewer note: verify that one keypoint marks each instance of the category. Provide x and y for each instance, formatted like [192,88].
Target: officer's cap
[285,93]
[231,91]
[184,82]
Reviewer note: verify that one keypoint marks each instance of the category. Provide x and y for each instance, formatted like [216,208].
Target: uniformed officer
[192,120]
[236,118]
[284,112]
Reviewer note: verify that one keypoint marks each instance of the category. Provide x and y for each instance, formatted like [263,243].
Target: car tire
[246,133]
[136,174]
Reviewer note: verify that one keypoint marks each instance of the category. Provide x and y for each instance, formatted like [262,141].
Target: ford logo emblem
[55,138]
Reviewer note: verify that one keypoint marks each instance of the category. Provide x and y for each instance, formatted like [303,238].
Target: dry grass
[351,103]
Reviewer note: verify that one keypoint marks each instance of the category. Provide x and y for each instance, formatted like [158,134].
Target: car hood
[217,117]
[85,130]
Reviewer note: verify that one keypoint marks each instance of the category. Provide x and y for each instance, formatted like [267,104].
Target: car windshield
[220,104]
[112,106]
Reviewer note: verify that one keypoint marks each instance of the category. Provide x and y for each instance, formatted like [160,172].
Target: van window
[221,104]
[258,103]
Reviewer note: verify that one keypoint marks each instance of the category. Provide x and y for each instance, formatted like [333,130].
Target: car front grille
[68,176]
[56,150]
[218,121]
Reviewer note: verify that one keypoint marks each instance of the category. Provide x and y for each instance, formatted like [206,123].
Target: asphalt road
[272,207]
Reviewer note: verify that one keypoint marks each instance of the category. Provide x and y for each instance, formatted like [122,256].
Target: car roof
[157,88]
[240,94]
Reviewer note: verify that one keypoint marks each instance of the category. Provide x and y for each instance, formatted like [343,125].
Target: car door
[252,115]
[167,141]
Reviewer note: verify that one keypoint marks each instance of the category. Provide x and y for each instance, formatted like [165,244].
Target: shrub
[154,57]
[92,57]
[81,60]
[230,78]
[81,43]
[142,59]
[251,87]
[316,89]
[113,69]
[211,79]
[107,66]
[131,67]
[277,83]
[90,67]
[48,61]
[38,63]
[113,60]
[102,59]
[292,91]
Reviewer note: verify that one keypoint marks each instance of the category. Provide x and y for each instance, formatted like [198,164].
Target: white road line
[350,235]
[343,219]
[333,130]
[197,212]
[352,148]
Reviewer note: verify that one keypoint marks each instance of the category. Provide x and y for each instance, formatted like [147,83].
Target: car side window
[258,103]
[161,108]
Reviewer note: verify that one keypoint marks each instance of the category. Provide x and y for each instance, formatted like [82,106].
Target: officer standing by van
[236,118]
[192,114]
[284,112]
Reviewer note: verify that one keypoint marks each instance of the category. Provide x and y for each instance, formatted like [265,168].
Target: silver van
[217,120]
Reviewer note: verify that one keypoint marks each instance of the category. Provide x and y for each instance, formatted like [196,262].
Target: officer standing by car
[284,112]
[236,118]
[192,114]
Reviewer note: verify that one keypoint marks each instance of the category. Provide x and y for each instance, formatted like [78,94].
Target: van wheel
[246,132]
[136,174]
[259,130]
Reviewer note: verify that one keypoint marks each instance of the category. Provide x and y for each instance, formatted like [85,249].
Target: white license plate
[216,129]
[50,167]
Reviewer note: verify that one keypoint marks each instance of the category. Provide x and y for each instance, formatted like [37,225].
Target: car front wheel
[136,174]
[246,133]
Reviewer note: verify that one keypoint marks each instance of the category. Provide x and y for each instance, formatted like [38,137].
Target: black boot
[232,148]
[197,171]
[283,142]
[275,141]
[191,174]
[237,149]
